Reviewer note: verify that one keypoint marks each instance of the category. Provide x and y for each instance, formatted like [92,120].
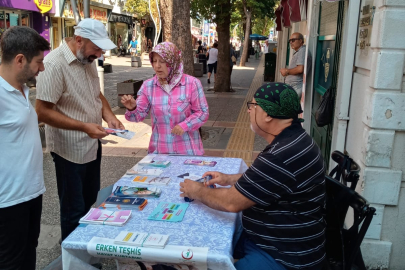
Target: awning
[290,11]
[199,37]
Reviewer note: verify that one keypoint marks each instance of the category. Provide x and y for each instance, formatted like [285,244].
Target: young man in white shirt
[21,161]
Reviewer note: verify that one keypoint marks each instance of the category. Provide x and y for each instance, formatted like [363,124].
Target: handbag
[324,113]
[233,59]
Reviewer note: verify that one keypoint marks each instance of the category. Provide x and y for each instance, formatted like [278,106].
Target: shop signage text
[121,19]
[96,13]
[44,5]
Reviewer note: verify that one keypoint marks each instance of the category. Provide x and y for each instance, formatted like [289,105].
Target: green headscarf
[278,100]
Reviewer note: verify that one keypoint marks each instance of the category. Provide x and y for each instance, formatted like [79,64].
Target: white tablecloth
[201,226]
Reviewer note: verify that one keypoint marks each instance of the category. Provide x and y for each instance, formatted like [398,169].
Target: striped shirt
[286,182]
[185,105]
[74,88]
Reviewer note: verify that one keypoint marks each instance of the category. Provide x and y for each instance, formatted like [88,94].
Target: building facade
[358,47]
[34,14]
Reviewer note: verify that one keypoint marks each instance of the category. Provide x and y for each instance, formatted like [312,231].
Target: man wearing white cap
[69,101]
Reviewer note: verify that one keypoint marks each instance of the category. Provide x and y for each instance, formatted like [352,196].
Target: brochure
[140,170]
[127,203]
[200,162]
[156,163]
[141,239]
[166,211]
[106,217]
[125,191]
[151,180]
[123,133]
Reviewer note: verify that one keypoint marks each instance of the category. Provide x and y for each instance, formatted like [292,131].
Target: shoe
[209,81]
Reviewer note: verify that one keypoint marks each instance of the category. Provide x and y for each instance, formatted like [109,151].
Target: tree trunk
[181,33]
[248,15]
[223,80]
[166,13]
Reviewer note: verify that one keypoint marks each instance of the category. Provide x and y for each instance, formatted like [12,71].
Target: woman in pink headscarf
[176,101]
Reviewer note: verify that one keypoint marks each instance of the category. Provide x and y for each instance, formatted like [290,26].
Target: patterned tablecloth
[201,226]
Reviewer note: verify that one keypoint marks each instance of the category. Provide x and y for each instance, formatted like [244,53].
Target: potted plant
[128,87]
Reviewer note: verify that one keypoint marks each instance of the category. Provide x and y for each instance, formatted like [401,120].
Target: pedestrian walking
[119,45]
[212,55]
[69,101]
[21,161]
[257,50]
[133,44]
[232,62]
[176,102]
[150,45]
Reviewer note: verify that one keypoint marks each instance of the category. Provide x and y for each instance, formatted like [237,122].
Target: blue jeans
[253,257]
[78,185]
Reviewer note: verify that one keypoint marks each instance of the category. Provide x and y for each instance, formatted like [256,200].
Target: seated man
[281,195]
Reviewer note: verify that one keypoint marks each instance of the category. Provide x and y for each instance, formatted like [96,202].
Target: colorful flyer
[123,133]
[166,211]
[200,162]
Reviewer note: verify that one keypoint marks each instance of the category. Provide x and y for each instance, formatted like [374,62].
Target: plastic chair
[343,244]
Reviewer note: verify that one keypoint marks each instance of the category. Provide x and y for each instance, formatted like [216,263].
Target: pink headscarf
[172,56]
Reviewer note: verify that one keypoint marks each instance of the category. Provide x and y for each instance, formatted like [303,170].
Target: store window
[12,19]
[69,30]
[25,20]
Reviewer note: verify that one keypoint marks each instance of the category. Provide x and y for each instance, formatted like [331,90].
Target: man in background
[21,161]
[294,74]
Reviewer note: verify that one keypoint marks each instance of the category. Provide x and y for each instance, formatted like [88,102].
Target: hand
[129,102]
[94,131]
[115,123]
[177,130]
[217,178]
[190,188]
[284,72]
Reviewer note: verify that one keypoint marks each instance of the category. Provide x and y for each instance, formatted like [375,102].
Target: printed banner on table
[105,248]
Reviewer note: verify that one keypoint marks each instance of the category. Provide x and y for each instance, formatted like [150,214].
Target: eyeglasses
[293,39]
[249,104]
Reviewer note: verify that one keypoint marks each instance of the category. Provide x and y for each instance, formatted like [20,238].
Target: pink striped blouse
[185,105]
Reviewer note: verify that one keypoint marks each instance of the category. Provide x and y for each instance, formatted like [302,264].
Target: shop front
[34,14]
[96,12]
[120,30]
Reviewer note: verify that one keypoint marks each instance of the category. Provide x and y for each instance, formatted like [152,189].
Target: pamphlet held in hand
[123,133]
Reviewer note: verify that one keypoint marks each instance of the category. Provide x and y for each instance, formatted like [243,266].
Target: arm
[223,199]
[49,116]
[109,116]
[199,108]
[141,110]
[293,71]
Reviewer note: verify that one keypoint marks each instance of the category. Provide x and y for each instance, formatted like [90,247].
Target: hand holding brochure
[123,133]
[141,239]
[106,217]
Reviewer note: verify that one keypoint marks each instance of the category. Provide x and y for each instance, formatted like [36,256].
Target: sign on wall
[96,13]
[44,5]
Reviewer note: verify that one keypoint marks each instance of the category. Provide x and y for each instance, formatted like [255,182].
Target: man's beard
[26,74]
[83,59]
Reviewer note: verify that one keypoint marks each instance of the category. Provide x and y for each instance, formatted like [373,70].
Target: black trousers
[78,185]
[19,232]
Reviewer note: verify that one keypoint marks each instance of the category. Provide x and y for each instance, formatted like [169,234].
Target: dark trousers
[19,232]
[78,185]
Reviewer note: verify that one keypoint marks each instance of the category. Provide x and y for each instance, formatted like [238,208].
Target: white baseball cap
[95,31]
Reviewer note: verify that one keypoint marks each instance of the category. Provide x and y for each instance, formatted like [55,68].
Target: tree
[140,7]
[166,12]
[253,10]
[219,12]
